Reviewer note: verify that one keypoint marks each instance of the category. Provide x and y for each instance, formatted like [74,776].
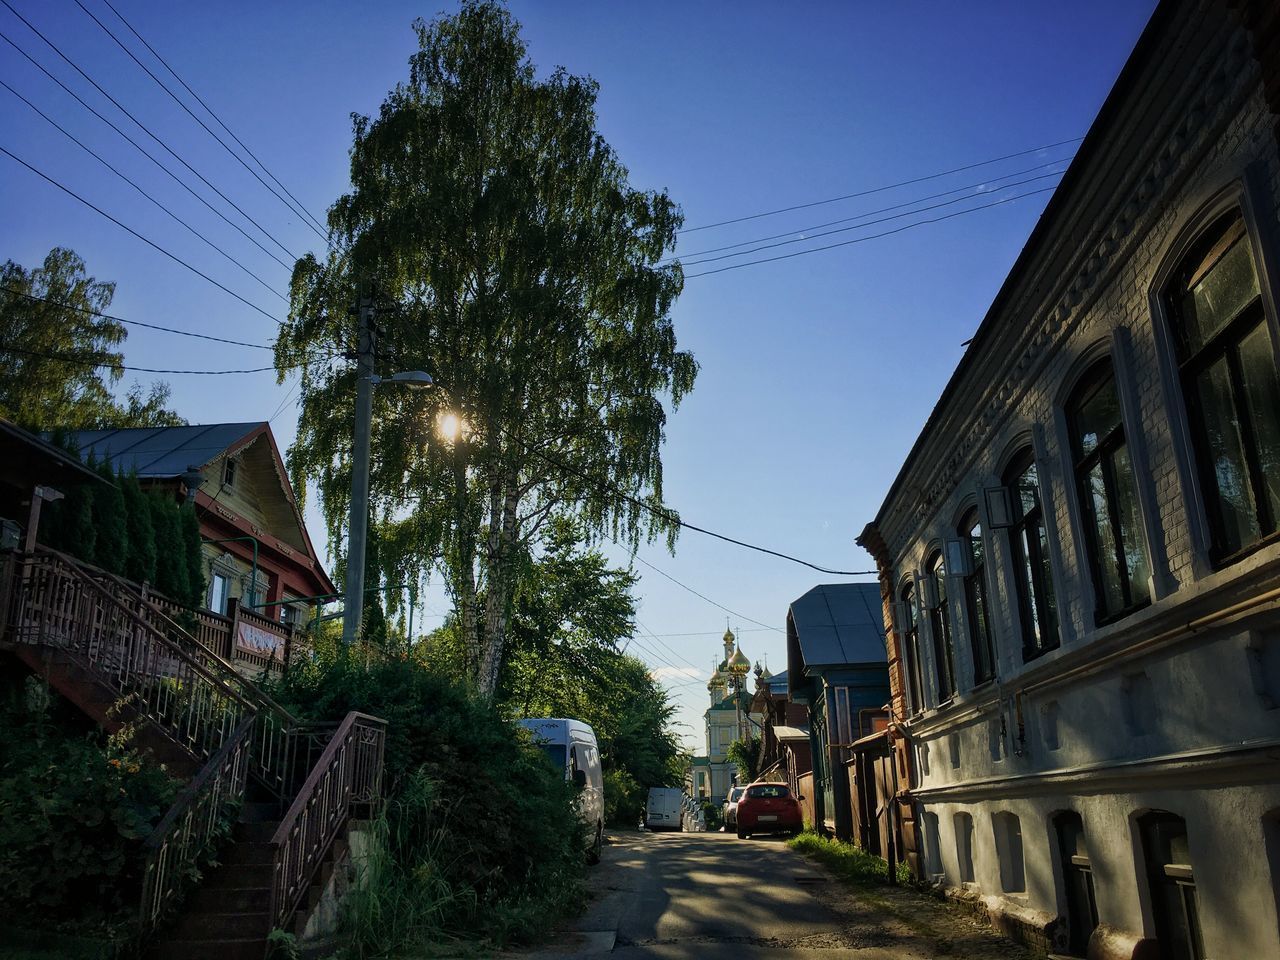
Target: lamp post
[358,531]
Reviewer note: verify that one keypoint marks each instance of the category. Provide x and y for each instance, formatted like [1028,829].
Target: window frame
[944,662]
[1213,239]
[910,633]
[977,600]
[1095,378]
[1031,564]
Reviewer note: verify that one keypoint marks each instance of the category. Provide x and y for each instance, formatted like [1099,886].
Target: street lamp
[358,530]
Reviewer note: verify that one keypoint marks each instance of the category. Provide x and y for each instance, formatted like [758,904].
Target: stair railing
[348,772]
[191,827]
[55,604]
[284,747]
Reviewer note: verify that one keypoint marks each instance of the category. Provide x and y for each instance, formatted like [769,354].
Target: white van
[665,809]
[571,746]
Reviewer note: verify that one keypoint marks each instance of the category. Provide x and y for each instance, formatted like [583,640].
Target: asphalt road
[672,896]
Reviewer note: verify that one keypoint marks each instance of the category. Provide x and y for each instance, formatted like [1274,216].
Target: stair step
[239,876]
[207,899]
[244,853]
[261,832]
[222,926]
[260,811]
[253,948]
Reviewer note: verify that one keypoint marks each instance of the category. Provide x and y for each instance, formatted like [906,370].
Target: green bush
[624,799]
[480,836]
[78,806]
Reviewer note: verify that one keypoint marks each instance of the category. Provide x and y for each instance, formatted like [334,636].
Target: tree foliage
[57,345]
[745,755]
[517,266]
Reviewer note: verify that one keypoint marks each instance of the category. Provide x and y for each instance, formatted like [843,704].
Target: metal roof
[778,683]
[838,623]
[161,452]
[790,733]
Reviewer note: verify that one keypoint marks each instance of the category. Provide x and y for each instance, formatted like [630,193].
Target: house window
[1108,496]
[1173,888]
[1008,836]
[219,591]
[910,627]
[932,847]
[943,656]
[963,824]
[229,472]
[975,595]
[1077,881]
[1033,580]
[1227,363]
[846,729]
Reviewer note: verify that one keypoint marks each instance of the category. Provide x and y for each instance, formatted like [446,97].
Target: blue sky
[817,371]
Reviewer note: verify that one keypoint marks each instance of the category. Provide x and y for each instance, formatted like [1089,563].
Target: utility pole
[358,528]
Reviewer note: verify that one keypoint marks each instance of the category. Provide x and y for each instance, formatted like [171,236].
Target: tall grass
[849,863]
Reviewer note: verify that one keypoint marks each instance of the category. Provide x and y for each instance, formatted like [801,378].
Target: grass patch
[851,864]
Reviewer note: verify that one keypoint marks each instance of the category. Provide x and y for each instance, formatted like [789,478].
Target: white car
[730,808]
[571,746]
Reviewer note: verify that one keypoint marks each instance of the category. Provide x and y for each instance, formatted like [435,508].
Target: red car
[768,808]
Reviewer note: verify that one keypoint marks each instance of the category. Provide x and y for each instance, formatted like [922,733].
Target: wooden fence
[804,786]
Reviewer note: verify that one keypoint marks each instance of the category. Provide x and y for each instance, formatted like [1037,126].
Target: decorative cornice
[1197,121]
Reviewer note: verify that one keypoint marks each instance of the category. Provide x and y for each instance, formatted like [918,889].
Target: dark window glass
[975,595]
[772,791]
[1108,496]
[1173,887]
[943,656]
[911,631]
[1228,367]
[1033,580]
[1077,876]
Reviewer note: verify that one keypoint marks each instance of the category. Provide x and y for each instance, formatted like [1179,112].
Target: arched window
[975,596]
[940,621]
[1173,886]
[1033,579]
[1108,496]
[1077,879]
[910,628]
[963,824]
[1227,362]
[1008,836]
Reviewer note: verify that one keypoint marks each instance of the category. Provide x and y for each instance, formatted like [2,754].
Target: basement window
[1008,834]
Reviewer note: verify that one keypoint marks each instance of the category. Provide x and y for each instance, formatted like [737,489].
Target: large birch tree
[514,262]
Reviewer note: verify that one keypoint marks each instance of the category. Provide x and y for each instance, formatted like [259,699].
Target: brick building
[1080,557]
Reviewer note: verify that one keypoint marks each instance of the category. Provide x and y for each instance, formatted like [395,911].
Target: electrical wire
[147,130]
[141,149]
[869,223]
[132,183]
[210,111]
[881,189]
[685,258]
[874,236]
[107,30]
[665,646]
[62,358]
[703,596]
[134,323]
[151,243]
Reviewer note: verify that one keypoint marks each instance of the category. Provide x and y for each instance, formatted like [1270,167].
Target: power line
[874,236]
[211,113]
[669,517]
[702,596]
[84,362]
[151,243]
[147,130]
[684,258]
[141,149]
[179,102]
[665,646]
[868,192]
[174,216]
[134,323]
[869,223]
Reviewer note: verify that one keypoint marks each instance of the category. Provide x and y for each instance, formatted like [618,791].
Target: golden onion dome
[739,663]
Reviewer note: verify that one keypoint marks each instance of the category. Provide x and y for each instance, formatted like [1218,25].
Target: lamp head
[413,379]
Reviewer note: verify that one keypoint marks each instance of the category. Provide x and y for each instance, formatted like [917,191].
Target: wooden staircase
[291,785]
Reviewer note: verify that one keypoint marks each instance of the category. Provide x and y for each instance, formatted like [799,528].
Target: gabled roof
[777,684]
[162,453]
[835,624]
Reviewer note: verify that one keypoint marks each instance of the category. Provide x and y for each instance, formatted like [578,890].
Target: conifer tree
[140,562]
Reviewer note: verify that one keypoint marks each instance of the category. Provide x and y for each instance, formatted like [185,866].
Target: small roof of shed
[835,624]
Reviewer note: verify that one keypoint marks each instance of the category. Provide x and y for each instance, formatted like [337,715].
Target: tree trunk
[503,530]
